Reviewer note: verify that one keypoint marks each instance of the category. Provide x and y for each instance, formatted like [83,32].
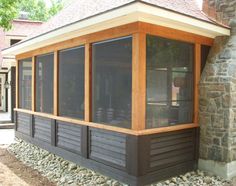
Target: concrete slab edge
[222,169]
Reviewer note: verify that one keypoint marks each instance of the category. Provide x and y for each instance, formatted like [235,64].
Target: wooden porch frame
[138,30]
[33,93]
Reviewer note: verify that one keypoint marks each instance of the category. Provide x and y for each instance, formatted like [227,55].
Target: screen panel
[112,82]
[205,50]
[71,82]
[25,83]
[169,82]
[44,83]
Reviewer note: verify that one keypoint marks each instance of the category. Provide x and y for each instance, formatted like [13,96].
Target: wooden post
[139,81]
[17,84]
[87,83]
[55,84]
[197,74]
[33,84]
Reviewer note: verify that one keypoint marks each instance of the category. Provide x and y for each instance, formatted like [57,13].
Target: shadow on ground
[24,174]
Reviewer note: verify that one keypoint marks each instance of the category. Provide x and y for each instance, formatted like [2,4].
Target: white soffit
[124,15]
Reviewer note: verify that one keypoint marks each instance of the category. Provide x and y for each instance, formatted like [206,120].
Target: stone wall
[221,10]
[217,107]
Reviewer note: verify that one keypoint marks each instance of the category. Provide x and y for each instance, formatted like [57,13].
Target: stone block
[226,99]
[216,141]
[217,121]
[214,94]
[215,153]
[203,102]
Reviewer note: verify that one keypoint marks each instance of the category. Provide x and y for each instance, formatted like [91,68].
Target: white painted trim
[8,63]
[222,169]
[180,22]
[3,93]
[131,13]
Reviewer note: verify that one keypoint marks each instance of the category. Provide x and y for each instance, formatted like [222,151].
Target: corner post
[33,84]
[139,81]
[87,83]
[55,84]
[197,74]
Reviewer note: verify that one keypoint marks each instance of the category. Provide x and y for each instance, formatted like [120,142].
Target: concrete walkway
[5,117]
[6,137]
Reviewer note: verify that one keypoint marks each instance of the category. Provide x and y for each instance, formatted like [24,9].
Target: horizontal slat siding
[23,123]
[108,147]
[42,129]
[69,136]
[171,149]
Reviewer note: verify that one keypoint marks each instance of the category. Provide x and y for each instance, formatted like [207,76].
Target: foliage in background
[36,10]
[8,11]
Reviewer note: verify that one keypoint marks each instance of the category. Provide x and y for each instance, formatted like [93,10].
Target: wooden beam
[33,92]
[197,74]
[111,128]
[17,83]
[55,84]
[167,129]
[139,81]
[171,33]
[123,30]
[87,83]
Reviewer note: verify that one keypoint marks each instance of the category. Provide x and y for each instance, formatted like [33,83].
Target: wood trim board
[88,82]
[138,30]
[112,128]
[33,84]
[55,83]
[139,81]
[197,74]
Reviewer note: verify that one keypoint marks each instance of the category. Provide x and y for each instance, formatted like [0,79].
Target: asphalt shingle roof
[82,9]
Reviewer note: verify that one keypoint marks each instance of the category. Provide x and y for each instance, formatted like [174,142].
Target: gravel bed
[63,172]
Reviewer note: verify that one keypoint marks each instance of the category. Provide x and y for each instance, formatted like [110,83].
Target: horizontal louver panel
[108,147]
[171,149]
[23,123]
[69,136]
[42,129]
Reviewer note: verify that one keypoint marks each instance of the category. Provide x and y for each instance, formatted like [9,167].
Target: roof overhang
[127,14]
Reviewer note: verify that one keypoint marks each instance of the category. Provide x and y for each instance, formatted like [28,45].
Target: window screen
[25,83]
[112,82]
[169,82]
[44,83]
[71,83]
[204,54]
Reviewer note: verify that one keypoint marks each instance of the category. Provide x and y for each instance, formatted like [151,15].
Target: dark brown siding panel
[136,160]
[171,149]
[42,129]
[23,123]
[68,136]
[108,147]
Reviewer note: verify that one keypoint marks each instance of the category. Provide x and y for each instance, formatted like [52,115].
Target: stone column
[217,108]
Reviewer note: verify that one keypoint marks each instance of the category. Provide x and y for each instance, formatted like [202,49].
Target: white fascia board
[124,15]
[177,21]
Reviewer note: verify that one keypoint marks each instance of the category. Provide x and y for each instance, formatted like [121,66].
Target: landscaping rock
[63,172]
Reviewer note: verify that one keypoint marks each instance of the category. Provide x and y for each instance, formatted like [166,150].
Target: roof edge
[26,20]
[154,15]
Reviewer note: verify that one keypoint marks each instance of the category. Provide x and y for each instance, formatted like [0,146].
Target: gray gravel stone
[66,173]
